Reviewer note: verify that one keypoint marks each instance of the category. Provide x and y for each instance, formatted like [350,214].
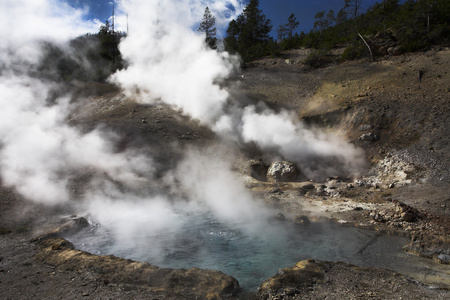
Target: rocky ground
[401,121]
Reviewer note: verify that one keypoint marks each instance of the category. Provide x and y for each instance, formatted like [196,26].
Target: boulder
[382,42]
[394,51]
[282,171]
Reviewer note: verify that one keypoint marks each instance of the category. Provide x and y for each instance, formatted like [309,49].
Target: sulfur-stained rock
[191,283]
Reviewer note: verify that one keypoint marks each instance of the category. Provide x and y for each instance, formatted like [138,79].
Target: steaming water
[253,252]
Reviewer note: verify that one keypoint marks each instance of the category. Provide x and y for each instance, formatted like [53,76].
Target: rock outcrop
[384,43]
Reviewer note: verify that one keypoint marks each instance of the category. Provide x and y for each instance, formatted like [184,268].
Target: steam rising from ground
[40,154]
[171,63]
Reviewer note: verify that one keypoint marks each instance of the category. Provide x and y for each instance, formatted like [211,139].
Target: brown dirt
[411,118]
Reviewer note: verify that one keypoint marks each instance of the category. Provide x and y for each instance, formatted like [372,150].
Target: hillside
[399,119]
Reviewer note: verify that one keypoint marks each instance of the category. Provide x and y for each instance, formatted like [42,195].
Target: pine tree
[231,40]
[292,25]
[281,32]
[353,7]
[341,16]
[249,33]
[207,26]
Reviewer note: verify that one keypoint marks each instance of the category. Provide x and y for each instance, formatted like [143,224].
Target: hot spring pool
[251,252]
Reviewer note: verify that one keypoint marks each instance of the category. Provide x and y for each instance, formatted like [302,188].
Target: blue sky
[278,11]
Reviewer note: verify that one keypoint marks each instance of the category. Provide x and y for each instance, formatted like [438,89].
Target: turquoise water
[251,252]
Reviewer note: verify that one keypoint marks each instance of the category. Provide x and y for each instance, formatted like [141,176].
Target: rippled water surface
[252,252]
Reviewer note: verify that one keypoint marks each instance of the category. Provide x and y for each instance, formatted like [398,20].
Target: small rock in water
[301,220]
[280,217]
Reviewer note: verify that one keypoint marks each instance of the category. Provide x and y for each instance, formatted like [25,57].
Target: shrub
[355,51]
[318,58]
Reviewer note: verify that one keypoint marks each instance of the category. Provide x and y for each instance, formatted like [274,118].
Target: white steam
[170,62]
[41,154]
[317,152]
[153,223]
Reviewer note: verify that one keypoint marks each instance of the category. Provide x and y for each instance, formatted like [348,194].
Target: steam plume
[171,63]
[39,152]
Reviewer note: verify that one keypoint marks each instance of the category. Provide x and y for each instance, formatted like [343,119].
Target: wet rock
[81,222]
[301,220]
[282,171]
